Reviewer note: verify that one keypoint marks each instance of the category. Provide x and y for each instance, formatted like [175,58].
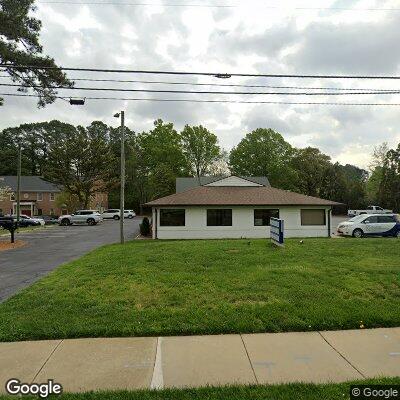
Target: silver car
[80,217]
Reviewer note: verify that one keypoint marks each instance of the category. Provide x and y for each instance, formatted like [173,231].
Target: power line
[196,5]
[214,74]
[213,101]
[223,85]
[205,91]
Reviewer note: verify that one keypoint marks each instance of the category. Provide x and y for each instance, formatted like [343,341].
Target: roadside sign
[277,236]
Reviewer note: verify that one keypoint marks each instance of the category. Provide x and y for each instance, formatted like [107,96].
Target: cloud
[242,39]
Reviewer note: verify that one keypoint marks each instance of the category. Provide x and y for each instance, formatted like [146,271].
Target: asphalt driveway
[48,248]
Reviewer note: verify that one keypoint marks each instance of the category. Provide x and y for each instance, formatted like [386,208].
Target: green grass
[151,288]
[298,391]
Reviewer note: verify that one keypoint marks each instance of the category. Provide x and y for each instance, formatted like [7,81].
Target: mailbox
[9,224]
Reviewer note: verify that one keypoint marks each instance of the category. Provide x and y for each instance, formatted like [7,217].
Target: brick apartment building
[38,197]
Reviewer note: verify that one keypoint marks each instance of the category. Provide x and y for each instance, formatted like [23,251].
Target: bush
[145,227]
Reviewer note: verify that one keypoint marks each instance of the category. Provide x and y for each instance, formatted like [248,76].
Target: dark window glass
[219,217]
[370,208]
[313,217]
[263,217]
[371,220]
[173,217]
[386,219]
[40,211]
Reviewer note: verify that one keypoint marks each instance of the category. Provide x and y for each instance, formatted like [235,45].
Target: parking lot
[48,248]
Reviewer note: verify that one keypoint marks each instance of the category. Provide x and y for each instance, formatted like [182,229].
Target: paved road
[51,247]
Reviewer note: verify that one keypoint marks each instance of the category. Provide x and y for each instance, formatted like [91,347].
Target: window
[39,196]
[312,217]
[40,211]
[51,211]
[219,217]
[386,219]
[263,217]
[371,220]
[12,197]
[172,217]
[52,196]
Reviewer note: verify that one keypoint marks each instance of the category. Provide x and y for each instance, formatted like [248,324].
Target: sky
[252,36]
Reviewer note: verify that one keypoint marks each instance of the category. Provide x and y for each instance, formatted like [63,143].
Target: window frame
[265,209]
[312,209]
[52,196]
[209,210]
[39,196]
[171,225]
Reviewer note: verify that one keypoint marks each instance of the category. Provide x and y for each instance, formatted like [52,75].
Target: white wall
[233,181]
[242,224]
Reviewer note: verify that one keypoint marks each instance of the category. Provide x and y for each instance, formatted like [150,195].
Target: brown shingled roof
[238,196]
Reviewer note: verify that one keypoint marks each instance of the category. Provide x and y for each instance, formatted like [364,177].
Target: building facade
[39,197]
[235,207]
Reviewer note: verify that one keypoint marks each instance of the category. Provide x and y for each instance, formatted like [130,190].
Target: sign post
[277,236]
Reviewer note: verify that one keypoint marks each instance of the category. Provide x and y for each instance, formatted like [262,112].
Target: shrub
[145,227]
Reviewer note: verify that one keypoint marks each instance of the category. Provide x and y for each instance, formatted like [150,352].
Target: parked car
[129,214]
[90,217]
[371,225]
[50,219]
[369,210]
[115,213]
[112,213]
[26,220]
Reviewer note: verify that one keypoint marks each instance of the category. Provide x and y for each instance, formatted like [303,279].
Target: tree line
[86,159]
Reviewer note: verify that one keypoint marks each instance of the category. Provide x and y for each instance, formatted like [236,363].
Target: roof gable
[185,183]
[233,181]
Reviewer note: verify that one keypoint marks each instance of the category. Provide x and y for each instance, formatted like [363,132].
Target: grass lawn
[150,288]
[298,391]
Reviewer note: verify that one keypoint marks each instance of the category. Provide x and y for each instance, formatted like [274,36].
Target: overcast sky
[252,37]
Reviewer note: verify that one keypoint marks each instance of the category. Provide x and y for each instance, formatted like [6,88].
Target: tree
[376,173]
[333,185]
[19,45]
[5,192]
[69,201]
[389,189]
[200,148]
[310,165]
[34,139]
[162,158]
[80,160]
[264,152]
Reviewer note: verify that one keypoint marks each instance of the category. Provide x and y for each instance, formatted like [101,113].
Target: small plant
[145,227]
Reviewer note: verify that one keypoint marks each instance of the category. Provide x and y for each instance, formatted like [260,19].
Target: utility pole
[19,182]
[122,178]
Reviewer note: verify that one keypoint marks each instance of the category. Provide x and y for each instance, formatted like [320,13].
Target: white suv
[89,217]
[129,214]
[116,214]
[371,225]
[111,214]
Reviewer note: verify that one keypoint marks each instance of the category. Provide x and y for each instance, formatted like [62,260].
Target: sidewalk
[193,361]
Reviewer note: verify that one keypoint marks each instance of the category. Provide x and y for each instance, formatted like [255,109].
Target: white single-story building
[236,207]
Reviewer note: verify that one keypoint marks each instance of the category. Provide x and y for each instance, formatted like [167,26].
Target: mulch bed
[6,245]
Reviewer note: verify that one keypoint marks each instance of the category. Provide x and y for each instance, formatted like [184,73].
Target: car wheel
[358,233]
[116,217]
[130,216]
[91,222]
[65,222]
[398,234]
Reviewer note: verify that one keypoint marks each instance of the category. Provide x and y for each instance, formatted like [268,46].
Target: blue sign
[277,231]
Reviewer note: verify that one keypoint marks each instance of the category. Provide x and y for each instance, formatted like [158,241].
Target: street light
[122,178]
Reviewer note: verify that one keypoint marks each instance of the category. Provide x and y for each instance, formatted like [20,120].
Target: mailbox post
[9,224]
